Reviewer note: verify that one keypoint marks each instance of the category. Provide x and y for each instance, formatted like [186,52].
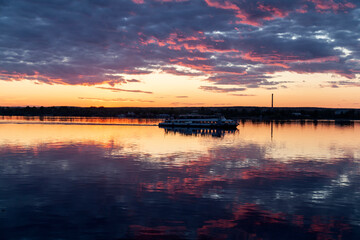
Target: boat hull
[213,126]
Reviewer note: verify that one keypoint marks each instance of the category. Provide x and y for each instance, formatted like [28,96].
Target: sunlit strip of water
[75,123]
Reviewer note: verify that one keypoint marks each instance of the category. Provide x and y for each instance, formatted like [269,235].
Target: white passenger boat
[199,121]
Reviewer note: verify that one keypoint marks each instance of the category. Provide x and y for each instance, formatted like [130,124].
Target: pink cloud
[138,1]
[280,60]
[171,0]
[323,5]
[303,9]
[238,12]
[244,16]
[224,5]
[193,43]
[275,12]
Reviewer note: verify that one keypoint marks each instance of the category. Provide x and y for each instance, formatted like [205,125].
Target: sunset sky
[169,53]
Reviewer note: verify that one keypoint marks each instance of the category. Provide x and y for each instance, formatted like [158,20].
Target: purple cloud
[225,41]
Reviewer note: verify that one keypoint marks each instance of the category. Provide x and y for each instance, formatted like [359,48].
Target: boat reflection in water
[213,132]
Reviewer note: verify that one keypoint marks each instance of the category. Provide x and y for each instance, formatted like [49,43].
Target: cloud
[181,72]
[326,5]
[225,41]
[220,90]
[133,81]
[338,84]
[242,95]
[124,90]
[114,99]
[182,96]
[139,1]
[186,104]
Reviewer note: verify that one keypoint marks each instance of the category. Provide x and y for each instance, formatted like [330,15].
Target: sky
[175,53]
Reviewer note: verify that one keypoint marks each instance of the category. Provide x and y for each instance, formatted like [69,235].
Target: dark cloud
[245,80]
[229,42]
[133,80]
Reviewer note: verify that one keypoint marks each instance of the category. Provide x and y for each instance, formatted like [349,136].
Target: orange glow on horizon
[291,90]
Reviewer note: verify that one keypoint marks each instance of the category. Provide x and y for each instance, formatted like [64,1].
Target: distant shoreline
[251,113]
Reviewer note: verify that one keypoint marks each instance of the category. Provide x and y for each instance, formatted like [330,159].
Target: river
[94,178]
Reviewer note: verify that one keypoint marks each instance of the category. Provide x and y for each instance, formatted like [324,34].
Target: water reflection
[128,182]
[199,131]
[344,123]
[78,120]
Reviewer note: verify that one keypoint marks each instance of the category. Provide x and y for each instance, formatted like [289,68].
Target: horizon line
[178,107]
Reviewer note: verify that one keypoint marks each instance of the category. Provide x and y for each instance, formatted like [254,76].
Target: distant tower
[272,100]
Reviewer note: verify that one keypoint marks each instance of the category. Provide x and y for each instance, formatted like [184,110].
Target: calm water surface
[113,179]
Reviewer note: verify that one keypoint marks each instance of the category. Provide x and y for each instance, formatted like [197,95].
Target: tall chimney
[272,100]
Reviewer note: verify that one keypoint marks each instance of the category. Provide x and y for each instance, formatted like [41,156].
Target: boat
[200,121]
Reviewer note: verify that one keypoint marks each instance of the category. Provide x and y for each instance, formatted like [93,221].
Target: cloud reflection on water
[233,187]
